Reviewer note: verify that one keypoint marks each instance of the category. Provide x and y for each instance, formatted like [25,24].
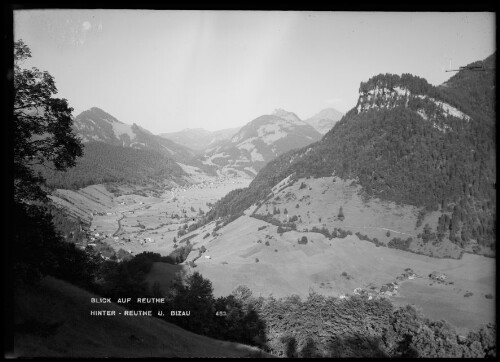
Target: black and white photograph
[251,183]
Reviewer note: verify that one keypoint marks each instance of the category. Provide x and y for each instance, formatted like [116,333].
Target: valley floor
[251,252]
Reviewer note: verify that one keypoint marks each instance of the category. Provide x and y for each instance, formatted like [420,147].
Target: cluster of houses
[146,240]
[93,213]
[203,184]
[389,289]
[407,274]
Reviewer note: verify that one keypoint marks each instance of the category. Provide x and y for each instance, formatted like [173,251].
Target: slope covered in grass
[53,320]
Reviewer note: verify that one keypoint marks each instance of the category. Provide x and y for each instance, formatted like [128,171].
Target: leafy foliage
[42,133]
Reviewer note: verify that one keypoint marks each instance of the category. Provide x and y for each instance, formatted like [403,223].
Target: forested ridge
[443,163]
[103,163]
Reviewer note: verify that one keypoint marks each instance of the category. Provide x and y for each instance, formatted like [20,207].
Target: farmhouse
[389,289]
[208,257]
[438,276]
[359,291]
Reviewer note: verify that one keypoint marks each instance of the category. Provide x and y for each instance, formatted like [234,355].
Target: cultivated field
[318,204]
[138,223]
[286,267]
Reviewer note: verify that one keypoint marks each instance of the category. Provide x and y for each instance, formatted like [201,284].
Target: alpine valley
[365,234]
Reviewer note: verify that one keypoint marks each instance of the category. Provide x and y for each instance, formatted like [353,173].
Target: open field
[250,252]
[320,200]
[83,202]
[285,267]
[53,321]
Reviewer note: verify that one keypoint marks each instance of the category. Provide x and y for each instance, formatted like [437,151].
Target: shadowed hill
[52,320]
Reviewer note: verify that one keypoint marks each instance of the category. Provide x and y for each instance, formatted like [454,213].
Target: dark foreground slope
[53,320]
[411,143]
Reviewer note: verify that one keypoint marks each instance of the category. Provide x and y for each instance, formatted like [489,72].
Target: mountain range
[97,125]
[324,120]
[409,143]
[199,139]
[260,141]
[235,151]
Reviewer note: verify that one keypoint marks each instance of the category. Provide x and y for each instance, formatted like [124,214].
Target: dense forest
[445,164]
[103,163]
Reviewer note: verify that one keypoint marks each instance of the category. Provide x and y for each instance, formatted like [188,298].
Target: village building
[389,289]
[438,276]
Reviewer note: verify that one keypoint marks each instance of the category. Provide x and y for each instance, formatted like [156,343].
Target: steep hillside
[475,90]
[408,142]
[97,125]
[53,320]
[260,141]
[198,138]
[324,120]
[105,163]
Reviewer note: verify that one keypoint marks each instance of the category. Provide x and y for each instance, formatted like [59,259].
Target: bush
[303,240]
[341,214]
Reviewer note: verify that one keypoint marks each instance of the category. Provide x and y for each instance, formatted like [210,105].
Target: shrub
[341,214]
[267,243]
[303,240]
[489,296]
[256,260]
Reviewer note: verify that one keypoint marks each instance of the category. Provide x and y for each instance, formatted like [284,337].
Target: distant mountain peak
[289,116]
[325,119]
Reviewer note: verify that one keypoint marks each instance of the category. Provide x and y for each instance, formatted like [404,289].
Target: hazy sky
[170,70]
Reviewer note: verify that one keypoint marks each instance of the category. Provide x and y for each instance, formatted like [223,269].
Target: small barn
[438,276]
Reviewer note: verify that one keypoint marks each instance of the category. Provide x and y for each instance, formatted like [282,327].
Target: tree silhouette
[42,135]
[42,128]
